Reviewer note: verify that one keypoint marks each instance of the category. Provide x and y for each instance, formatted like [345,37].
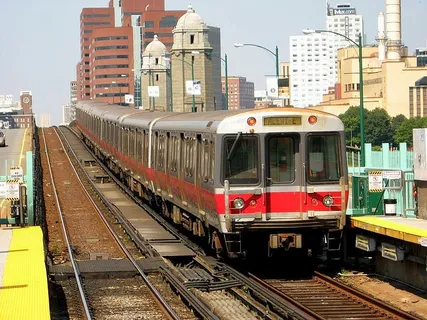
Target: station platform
[23,278]
[406,229]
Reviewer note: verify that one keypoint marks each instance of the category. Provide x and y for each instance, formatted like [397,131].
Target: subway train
[257,181]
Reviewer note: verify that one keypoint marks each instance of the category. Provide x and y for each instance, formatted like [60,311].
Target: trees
[351,119]
[379,127]
[404,131]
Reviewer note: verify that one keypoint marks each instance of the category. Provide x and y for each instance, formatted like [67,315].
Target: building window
[191,38]
[149,24]
[168,22]
[111,48]
[149,35]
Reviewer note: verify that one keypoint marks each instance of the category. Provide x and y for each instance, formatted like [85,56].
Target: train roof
[210,121]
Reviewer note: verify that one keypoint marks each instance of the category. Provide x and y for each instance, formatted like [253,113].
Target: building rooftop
[155,48]
[190,20]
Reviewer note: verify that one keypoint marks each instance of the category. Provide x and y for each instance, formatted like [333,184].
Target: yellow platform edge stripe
[24,291]
[395,229]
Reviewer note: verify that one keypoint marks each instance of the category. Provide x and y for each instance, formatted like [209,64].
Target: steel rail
[67,239]
[368,299]
[158,297]
[192,300]
[279,305]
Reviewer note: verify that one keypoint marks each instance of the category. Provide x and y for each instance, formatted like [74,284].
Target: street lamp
[361,99]
[276,54]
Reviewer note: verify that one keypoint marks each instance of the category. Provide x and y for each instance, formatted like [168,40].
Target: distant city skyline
[41,52]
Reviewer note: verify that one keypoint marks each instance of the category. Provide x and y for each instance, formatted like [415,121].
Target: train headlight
[312,120]
[238,203]
[251,121]
[328,201]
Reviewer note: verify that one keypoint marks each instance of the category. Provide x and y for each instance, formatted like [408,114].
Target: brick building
[112,40]
[240,93]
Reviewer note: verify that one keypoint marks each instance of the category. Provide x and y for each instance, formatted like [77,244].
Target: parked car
[2,139]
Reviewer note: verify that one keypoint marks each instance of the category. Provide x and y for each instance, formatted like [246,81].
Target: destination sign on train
[282,121]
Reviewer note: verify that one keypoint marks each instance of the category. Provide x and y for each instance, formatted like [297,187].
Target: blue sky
[39,40]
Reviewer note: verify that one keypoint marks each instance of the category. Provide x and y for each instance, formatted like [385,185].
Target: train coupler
[285,241]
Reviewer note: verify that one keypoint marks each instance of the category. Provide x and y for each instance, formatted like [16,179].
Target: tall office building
[90,19]
[309,69]
[342,19]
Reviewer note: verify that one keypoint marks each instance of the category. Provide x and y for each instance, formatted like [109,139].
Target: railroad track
[153,301]
[282,299]
[325,298]
[77,150]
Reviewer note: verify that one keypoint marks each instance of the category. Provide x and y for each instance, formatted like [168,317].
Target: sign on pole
[154,91]
[193,87]
[17,173]
[272,87]
[129,98]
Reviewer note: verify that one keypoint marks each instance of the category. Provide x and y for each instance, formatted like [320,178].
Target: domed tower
[191,60]
[156,77]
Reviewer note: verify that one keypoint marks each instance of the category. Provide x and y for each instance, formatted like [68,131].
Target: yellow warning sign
[375,180]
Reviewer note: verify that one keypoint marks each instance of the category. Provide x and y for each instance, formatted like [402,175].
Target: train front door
[283,181]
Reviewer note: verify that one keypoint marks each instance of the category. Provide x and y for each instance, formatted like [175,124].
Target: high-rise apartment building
[342,19]
[314,56]
[310,56]
[240,93]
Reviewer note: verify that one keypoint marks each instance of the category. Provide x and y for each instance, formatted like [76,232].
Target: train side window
[146,147]
[131,143]
[171,154]
[205,160]
[154,148]
[161,152]
[189,156]
[186,156]
[139,142]
[212,160]
[125,141]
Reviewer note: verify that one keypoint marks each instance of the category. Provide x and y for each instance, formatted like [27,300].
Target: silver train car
[248,181]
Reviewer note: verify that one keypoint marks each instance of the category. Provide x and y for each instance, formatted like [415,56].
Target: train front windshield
[323,158]
[241,159]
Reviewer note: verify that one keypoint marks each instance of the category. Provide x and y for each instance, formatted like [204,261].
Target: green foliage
[379,127]
[352,126]
[404,132]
